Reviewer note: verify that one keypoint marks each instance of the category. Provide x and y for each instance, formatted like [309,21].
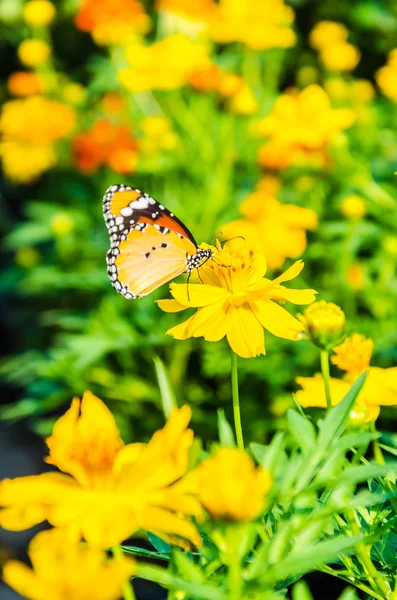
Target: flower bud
[324,323]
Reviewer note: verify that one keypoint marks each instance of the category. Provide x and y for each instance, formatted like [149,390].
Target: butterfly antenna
[236,237]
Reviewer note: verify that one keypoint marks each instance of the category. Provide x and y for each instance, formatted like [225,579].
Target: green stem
[234,577]
[378,583]
[128,590]
[236,403]
[325,373]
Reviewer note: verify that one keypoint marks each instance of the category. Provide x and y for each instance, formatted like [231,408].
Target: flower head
[324,323]
[340,57]
[111,490]
[386,76]
[327,33]
[230,487]
[33,53]
[236,300]
[63,568]
[353,355]
[106,143]
[112,21]
[257,24]
[277,230]
[23,83]
[30,127]
[353,207]
[300,127]
[38,13]
[165,65]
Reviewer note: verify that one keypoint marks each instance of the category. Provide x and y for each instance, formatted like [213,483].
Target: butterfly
[149,245]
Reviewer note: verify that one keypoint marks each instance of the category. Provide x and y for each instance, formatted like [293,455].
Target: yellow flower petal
[313,391]
[197,295]
[165,521]
[277,320]
[24,581]
[245,334]
[290,273]
[170,306]
[181,331]
[380,387]
[210,322]
[294,296]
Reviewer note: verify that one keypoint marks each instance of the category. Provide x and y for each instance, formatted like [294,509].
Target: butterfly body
[149,246]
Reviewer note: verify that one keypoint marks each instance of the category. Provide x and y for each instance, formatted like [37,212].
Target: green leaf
[225,431]
[301,591]
[167,393]
[348,594]
[354,440]
[145,553]
[186,567]
[302,430]
[310,559]
[269,457]
[159,544]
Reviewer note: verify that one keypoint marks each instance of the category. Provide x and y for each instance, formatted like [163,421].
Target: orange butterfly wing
[149,245]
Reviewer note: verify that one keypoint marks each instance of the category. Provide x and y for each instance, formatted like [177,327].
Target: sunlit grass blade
[167,393]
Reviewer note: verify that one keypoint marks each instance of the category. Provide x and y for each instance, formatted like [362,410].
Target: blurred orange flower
[165,65]
[112,21]
[23,83]
[108,144]
[277,230]
[30,127]
[300,127]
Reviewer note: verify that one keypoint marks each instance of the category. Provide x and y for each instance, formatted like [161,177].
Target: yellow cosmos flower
[33,53]
[354,355]
[215,484]
[324,323]
[257,24]
[277,230]
[353,207]
[301,125]
[64,568]
[164,65]
[111,490]
[236,300]
[29,129]
[327,33]
[386,76]
[340,57]
[38,13]
[312,394]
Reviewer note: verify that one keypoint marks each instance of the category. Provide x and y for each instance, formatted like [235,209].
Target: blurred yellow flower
[244,102]
[229,486]
[257,24]
[356,277]
[327,33]
[386,76]
[324,323]
[340,57]
[157,135]
[29,129]
[111,490]
[74,93]
[23,83]
[38,13]
[33,53]
[312,394]
[27,257]
[354,355]
[165,65]
[62,224]
[362,91]
[64,568]
[112,21]
[301,125]
[275,229]
[353,207]
[236,301]
[199,10]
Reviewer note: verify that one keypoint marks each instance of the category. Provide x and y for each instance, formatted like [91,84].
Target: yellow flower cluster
[39,13]
[30,127]
[157,135]
[353,356]
[108,490]
[257,24]
[300,127]
[236,300]
[386,76]
[63,568]
[277,230]
[336,53]
[165,65]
